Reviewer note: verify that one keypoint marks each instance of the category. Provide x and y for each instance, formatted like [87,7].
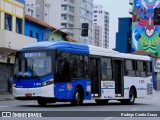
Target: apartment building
[97,35]
[67,14]
[31,7]
[101,18]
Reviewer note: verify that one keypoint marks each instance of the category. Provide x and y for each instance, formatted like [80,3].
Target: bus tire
[78,97]
[42,103]
[131,99]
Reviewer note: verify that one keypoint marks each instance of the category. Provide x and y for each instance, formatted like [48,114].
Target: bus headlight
[48,82]
[14,85]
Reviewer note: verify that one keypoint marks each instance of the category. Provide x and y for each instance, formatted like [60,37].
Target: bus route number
[141,81]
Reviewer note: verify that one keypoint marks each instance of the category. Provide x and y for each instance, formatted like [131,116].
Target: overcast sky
[116,9]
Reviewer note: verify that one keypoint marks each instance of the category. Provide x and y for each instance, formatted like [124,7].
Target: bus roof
[82,49]
[94,50]
[60,45]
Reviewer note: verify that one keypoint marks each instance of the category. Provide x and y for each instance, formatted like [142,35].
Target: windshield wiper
[35,75]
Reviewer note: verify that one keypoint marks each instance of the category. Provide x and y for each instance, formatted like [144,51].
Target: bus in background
[52,72]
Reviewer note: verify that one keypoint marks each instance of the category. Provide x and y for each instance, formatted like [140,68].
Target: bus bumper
[34,93]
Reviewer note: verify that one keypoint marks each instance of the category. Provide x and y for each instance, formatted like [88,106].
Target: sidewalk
[156,93]
[6,96]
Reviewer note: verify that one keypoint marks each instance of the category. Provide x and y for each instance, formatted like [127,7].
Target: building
[101,18]
[146,29]
[145,26]
[21,1]
[67,14]
[97,35]
[30,7]
[12,36]
[123,36]
[36,28]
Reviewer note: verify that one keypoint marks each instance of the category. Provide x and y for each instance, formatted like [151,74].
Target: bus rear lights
[48,82]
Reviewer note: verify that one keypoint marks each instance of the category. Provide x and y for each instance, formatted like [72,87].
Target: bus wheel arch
[78,95]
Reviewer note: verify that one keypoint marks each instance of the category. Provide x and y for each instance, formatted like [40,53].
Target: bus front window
[33,66]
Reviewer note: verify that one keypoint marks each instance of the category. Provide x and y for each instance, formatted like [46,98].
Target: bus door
[118,77]
[95,76]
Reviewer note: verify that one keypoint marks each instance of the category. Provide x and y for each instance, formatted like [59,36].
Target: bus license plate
[28,94]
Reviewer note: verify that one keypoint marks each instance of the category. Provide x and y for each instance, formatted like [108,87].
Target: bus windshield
[35,64]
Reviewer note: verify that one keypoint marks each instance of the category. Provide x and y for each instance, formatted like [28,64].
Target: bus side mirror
[8,61]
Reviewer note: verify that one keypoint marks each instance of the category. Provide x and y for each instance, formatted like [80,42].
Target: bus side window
[79,66]
[106,68]
[62,67]
[145,66]
[130,67]
[74,66]
[140,69]
[149,69]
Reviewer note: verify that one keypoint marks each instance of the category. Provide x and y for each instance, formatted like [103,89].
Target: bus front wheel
[42,103]
[78,97]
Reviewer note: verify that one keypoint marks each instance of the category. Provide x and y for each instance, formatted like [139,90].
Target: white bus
[72,72]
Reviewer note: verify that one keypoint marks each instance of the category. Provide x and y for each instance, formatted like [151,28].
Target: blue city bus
[57,71]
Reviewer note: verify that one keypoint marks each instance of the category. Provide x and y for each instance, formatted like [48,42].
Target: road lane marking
[15,105]
[108,118]
[134,109]
[8,106]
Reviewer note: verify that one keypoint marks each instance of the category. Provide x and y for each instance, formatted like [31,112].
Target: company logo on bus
[108,84]
[69,86]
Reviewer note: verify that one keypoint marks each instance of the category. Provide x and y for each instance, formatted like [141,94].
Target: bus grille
[149,88]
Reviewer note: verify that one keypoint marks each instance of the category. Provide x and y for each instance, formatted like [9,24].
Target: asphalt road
[151,103]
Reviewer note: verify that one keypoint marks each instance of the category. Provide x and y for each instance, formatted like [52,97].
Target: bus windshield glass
[34,64]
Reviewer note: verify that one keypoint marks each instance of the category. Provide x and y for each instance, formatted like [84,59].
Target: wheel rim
[131,97]
[77,97]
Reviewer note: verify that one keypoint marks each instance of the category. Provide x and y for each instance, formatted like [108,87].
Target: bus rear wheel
[42,103]
[78,97]
[131,99]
